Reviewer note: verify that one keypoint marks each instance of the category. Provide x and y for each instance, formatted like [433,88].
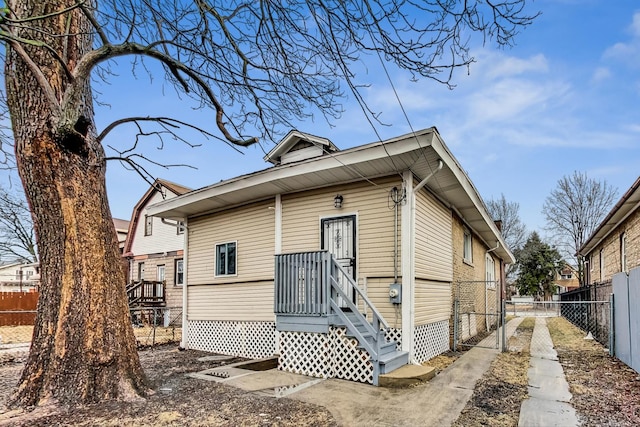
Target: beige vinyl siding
[252,227]
[250,302]
[302,213]
[433,301]
[434,246]
[378,293]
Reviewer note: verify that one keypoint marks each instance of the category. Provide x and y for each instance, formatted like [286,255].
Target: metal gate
[476,314]
[593,317]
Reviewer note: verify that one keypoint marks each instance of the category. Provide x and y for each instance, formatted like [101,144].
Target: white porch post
[407,260]
[278,224]
[278,250]
[185,252]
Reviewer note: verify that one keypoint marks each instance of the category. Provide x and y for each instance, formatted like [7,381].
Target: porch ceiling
[417,152]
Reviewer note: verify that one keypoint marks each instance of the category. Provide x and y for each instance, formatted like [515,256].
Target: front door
[339,238]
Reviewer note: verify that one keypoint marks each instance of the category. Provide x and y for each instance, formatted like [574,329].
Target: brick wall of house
[612,252]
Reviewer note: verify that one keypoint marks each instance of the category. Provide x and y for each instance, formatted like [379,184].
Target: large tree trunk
[83,347]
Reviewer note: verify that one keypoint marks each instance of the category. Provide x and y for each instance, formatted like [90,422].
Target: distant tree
[573,211]
[17,237]
[256,65]
[512,229]
[538,264]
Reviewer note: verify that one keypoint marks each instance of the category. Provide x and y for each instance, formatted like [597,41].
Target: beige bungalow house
[342,262]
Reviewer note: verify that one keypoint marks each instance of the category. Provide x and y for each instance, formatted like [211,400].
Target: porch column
[407,260]
[185,281]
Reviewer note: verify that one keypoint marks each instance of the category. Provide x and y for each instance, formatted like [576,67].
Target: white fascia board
[473,195]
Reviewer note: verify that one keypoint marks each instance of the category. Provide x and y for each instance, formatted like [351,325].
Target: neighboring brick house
[154,248]
[615,245]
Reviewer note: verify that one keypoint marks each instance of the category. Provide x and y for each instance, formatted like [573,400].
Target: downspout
[408,276]
[486,294]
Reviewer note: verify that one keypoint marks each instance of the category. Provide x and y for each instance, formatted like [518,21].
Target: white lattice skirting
[430,340]
[253,340]
[332,355]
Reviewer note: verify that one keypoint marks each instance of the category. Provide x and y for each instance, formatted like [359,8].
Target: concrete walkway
[436,403]
[549,396]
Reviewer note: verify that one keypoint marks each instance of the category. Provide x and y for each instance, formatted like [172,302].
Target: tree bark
[83,348]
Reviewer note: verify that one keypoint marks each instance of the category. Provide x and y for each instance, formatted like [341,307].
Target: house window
[566,276]
[140,270]
[179,279]
[226,259]
[623,252]
[148,225]
[180,228]
[467,250]
[601,264]
[160,273]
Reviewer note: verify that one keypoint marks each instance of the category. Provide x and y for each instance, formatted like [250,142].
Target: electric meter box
[395,293]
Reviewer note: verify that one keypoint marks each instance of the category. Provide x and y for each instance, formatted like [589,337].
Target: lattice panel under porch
[253,340]
[332,355]
[393,334]
[430,340]
[305,353]
[349,361]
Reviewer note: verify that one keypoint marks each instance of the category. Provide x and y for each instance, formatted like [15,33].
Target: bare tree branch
[574,209]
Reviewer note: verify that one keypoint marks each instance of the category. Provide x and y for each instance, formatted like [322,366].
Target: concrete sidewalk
[436,403]
[549,396]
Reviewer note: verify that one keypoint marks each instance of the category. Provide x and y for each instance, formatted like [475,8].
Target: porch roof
[418,152]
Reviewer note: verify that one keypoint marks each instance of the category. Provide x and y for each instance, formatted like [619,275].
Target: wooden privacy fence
[18,308]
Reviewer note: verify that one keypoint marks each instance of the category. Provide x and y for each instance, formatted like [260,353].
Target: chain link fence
[593,317]
[151,326]
[156,325]
[476,313]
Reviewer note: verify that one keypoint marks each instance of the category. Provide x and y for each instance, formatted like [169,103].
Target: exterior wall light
[337,201]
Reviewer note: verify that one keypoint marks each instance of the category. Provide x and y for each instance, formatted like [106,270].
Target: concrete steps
[407,376]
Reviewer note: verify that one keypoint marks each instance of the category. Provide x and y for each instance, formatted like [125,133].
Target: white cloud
[628,51]
[600,74]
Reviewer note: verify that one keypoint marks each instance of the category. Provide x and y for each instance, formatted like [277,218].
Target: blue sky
[564,98]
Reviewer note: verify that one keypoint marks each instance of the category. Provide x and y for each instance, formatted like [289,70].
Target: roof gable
[159,185]
[297,146]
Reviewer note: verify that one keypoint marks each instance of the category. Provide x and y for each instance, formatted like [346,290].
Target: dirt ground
[179,400]
[605,391]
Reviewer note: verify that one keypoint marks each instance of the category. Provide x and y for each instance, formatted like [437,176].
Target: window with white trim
[160,272]
[179,272]
[601,264]
[467,248]
[180,228]
[226,259]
